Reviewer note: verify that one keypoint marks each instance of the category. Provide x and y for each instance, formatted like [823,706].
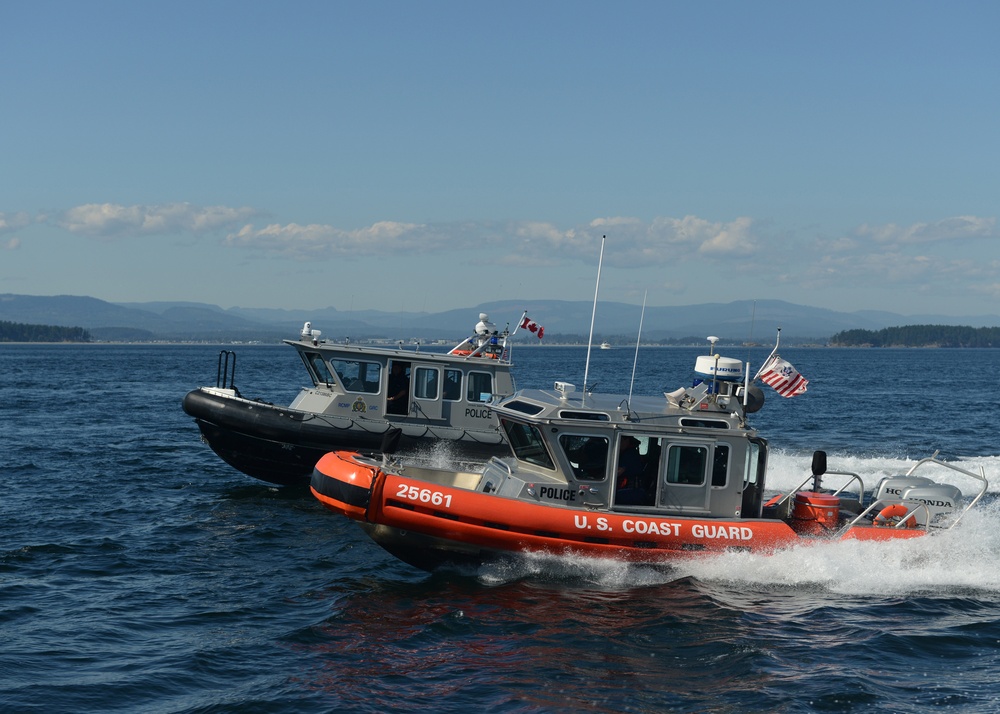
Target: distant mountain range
[739,321]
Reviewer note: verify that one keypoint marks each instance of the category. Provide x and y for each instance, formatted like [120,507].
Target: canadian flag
[531,326]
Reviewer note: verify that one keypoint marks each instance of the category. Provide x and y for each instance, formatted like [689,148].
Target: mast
[638,337]
[593,314]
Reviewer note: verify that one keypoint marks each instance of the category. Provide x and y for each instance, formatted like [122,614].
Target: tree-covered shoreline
[919,336]
[21,332]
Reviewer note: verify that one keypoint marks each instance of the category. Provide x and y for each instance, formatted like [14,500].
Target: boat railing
[852,477]
[980,477]
[876,507]
[495,461]
[226,371]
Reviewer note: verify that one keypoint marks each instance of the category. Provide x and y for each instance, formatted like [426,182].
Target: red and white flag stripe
[783,377]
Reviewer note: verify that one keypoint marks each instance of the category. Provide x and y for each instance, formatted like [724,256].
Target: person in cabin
[452,386]
[628,487]
[629,463]
[398,390]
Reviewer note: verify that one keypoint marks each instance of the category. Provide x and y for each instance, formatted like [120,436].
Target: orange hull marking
[871,533]
[507,524]
[341,466]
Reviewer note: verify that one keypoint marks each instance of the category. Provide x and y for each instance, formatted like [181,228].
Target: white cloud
[630,241]
[12,244]
[990,290]
[13,221]
[906,260]
[316,241]
[948,229]
[111,220]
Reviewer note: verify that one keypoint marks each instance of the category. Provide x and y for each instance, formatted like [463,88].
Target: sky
[423,156]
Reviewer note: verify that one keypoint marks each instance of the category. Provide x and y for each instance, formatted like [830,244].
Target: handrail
[985,482]
[501,462]
[853,477]
[223,370]
[912,508]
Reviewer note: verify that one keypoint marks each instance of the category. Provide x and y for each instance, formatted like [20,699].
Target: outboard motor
[941,499]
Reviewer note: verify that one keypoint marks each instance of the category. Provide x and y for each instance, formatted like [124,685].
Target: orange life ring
[466,353]
[891,515]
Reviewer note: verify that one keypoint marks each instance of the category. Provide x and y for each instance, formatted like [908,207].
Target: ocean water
[139,573]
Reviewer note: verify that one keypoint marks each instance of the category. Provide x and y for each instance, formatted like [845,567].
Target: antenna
[753,318]
[637,338]
[593,314]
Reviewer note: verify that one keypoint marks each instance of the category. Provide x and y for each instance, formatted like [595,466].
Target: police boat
[357,394]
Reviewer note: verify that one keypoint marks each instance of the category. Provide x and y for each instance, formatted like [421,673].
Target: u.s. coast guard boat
[358,393]
[645,479]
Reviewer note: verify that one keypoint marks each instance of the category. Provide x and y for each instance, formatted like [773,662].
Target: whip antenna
[637,338]
[590,341]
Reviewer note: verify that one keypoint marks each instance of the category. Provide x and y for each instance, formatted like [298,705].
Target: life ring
[468,353]
[891,515]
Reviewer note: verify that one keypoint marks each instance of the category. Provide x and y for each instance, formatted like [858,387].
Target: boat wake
[785,471]
[962,561]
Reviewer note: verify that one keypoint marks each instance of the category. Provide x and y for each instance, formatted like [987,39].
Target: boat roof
[486,346]
[395,352]
[563,404]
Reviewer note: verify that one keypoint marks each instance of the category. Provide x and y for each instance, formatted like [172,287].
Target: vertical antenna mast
[590,341]
[637,338]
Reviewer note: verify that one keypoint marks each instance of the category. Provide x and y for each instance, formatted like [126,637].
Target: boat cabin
[689,453]
[405,385]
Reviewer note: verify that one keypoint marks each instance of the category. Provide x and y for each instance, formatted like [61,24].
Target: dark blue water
[140,573]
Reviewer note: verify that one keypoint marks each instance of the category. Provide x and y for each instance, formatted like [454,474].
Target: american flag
[783,377]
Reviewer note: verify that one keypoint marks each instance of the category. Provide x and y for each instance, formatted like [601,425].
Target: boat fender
[891,515]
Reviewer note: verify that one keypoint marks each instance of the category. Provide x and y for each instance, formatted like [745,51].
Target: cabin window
[526,443]
[358,376]
[425,383]
[523,407]
[755,463]
[452,391]
[586,416]
[321,373]
[705,423]
[480,387]
[588,455]
[686,464]
[720,465]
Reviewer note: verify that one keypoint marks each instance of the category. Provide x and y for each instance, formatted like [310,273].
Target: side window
[755,464]
[526,443]
[720,465]
[358,376]
[425,385]
[319,368]
[452,390]
[480,387]
[588,455]
[686,464]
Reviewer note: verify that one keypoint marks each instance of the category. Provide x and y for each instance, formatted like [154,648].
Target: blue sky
[429,155]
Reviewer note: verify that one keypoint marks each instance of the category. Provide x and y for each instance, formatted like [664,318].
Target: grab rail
[224,371]
[853,477]
[912,508]
[933,459]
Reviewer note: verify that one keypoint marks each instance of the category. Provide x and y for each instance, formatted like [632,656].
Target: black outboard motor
[818,469]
